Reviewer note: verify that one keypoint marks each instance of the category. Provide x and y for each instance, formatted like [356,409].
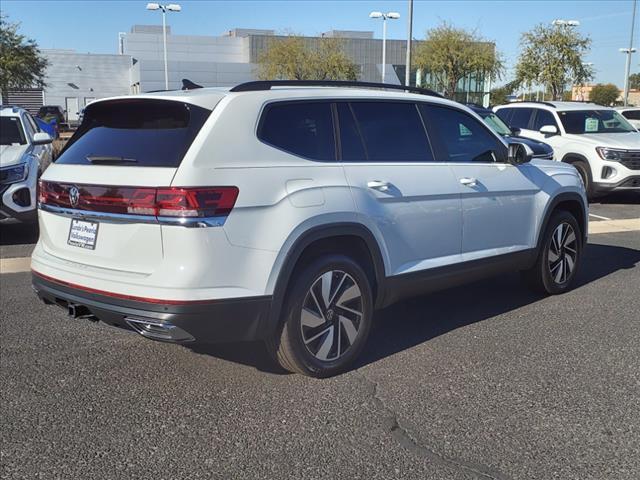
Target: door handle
[378,185]
[469,182]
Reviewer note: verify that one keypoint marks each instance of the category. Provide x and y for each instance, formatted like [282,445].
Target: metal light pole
[384,17]
[407,74]
[629,51]
[172,7]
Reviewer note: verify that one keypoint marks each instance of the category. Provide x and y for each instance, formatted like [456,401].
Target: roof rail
[549,104]
[268,84]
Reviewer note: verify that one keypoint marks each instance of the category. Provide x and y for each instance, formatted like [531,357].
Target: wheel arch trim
[280,279]
[551,207]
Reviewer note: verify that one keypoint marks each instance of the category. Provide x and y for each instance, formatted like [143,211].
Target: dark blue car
[540,149]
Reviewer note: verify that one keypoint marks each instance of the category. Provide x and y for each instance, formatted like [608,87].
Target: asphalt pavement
[485,381]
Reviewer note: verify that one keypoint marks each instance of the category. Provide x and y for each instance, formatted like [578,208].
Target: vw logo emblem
[74,196]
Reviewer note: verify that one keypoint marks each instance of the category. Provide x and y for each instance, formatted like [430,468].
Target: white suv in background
[288,213]
[25,151]
[597,140]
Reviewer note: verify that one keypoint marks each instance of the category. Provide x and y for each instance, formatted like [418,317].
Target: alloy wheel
[563,253]
[331,315]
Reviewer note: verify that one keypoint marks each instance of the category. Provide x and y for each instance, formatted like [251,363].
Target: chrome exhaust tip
[156,330]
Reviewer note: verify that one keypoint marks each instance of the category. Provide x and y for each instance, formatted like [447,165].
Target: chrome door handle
[378,185]
[469,182]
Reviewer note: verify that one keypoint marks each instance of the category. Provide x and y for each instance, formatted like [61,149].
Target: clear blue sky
[93,26]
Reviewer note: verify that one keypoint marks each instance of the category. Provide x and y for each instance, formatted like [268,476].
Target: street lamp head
[393,15]
[174,7]
[626,50]
[375,15]
[153,6]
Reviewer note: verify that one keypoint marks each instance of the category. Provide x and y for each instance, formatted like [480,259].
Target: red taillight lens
[195,202]
[171,201]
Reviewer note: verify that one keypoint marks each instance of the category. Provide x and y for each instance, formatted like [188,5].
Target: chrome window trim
[188,222]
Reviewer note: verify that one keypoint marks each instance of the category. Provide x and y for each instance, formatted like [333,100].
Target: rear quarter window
[301,128]
[145,132]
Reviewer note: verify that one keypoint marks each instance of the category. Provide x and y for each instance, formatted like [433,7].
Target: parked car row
[288,212]
[598,141]
[25,152]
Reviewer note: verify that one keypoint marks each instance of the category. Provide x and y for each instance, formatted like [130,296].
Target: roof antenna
[189,85]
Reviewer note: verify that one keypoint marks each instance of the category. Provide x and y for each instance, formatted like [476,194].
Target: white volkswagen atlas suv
[25,151]
[288,212]
[598,141]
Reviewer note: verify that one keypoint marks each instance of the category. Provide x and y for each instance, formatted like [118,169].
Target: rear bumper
[233,320]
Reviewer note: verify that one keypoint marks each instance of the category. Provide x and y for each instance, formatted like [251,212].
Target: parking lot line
[599,216]
[15,265]
[613,226]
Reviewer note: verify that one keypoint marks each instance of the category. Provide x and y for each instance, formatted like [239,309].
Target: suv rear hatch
[100,200]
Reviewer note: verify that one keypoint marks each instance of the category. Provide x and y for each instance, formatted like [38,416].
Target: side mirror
[519,153]
[515,131]
[549,130]
[41,138]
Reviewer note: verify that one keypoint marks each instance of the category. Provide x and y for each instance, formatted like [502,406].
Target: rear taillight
[197,202]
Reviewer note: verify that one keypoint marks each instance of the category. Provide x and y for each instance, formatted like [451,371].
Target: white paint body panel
[429,220]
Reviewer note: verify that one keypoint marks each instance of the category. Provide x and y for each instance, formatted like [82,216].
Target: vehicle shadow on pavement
[628,198]
[412,322]
[18,234]
[404,325]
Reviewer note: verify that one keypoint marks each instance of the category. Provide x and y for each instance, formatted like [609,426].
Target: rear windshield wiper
[109,159]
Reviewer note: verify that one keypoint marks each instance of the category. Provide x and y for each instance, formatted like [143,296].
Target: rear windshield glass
[594,121]
[136,132]
[11,131]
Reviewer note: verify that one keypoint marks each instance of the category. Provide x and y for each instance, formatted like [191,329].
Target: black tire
[295,341]
[546,275]
[585,174]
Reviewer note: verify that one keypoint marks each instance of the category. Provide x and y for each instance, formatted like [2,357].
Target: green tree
[450,54]
[553,56]
[634,81]
[21,64]
[499,95]
[297,58]
[604,94]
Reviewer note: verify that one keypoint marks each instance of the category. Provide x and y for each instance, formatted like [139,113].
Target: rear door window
[301,128]
[543,117]
[520,118]
[135,132]
[505,115]
[392,132]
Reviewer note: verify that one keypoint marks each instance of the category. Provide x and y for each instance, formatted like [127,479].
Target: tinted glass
[147,133]
[543,117]
[505,114]
[392,132]
[496,124]
[301,128]
[520,118]
[11,131]
[350,140]
[594,121]
[465,138]
[632,114]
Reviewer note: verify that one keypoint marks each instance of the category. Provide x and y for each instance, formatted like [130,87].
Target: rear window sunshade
[135,132]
